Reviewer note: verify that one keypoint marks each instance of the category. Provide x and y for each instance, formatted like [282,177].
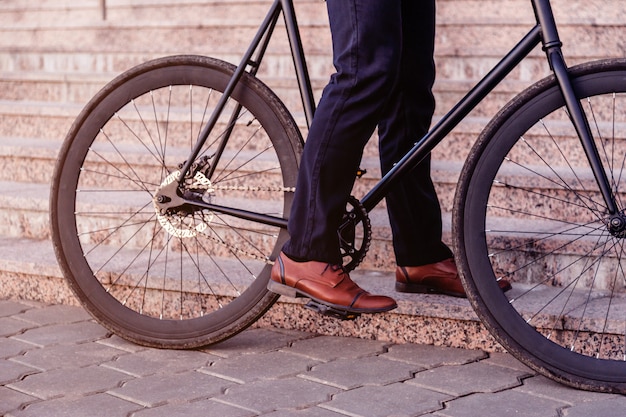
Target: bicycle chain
[250,188]
[246,188]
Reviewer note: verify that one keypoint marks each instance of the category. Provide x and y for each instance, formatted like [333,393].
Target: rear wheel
[155,272]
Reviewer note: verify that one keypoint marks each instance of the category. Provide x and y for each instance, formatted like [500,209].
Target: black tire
[186,277]
[529,210]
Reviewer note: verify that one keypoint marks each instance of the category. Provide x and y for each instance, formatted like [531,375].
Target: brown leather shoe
[327,284]
[438,278]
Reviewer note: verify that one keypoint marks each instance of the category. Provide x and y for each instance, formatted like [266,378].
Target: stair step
[33,160]
[63,90]
[52,13]
[28,270]
[48,121]
[24,212]
[487,40]
[35,131]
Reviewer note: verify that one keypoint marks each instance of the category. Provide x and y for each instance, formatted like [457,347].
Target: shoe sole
[291,292]
[423,289]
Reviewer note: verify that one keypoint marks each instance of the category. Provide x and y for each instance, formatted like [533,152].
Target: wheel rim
[185,272]
[546,230]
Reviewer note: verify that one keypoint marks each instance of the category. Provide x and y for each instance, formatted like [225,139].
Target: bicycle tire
[185,277]
[526,210]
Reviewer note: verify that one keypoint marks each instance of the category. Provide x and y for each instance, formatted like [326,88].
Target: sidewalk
[56,361]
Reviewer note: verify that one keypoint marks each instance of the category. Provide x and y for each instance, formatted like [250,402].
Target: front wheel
[528,209]
[153,271]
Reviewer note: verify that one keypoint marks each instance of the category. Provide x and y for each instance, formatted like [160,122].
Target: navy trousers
[383,55]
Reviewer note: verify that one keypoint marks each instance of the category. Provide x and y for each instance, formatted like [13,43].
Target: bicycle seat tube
[259,45]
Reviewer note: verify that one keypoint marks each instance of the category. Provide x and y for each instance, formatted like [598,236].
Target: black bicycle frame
[252,59]
[544,32]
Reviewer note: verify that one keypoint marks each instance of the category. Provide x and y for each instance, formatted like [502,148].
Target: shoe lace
[335,268]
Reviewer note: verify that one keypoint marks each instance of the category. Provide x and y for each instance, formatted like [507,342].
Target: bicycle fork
[552,47]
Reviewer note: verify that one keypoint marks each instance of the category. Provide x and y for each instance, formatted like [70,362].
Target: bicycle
[171,190]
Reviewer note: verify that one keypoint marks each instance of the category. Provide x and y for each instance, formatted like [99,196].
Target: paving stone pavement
[56,361]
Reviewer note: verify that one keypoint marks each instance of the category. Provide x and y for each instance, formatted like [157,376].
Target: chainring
[355,234]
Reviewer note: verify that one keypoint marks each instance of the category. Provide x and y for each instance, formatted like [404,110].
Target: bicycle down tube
[544,32]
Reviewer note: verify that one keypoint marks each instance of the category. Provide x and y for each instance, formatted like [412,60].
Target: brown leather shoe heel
[438,278]
[327,284]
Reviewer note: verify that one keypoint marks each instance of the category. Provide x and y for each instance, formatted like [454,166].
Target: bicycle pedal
[331,311]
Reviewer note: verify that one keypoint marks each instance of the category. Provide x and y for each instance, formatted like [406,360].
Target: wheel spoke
[145,255]
[542,224]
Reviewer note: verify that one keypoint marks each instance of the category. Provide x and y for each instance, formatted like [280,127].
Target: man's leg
[413,206]
[424,261]
[366,50]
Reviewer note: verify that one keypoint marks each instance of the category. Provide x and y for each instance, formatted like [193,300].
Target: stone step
[28,160]
[50,13]
[32,133]
[42,127]
[28,270]
[25,213]
[61,97]
[487,40]
[465,40]
[36,121]
[460,31]
[24,210]
[62,85]
[33,159]
[55,54]
[32,155]
[458,67]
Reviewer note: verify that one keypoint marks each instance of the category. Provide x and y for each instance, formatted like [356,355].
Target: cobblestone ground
[56,361]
